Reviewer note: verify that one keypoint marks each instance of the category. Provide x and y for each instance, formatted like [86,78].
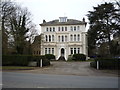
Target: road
[30,80]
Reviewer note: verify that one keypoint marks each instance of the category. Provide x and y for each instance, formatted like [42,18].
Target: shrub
[70,58]
[50,56]
[79,57]
[15,60]
[106,63]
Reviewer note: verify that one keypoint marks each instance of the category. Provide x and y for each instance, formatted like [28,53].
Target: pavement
[71,68]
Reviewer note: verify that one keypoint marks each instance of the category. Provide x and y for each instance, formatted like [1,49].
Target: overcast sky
[53,9]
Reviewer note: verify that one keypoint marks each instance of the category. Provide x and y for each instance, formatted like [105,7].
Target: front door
[62,52]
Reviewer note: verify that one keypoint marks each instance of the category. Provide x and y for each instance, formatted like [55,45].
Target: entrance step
[62,58]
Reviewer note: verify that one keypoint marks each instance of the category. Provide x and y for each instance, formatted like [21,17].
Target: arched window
[59,38]
[71,28]
[53,38]
[49,38]
[53,29]
[58,28]
[74,28]
[50,29]
[78,37]
[71,37]
[46,38]
[74,37]
[62,28]
[62,38]
[78,28]
[47,29]
[65,38]
[65,28]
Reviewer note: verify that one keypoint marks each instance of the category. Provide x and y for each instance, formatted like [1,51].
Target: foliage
[103,24]
[79,57]
[50,56]
[106,63]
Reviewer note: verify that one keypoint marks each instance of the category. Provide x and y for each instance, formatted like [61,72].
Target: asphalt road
[29,80]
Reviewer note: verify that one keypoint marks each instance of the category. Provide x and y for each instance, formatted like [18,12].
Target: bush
[15,60]
[50,56]
[106,63]
[79,57]
[23,60]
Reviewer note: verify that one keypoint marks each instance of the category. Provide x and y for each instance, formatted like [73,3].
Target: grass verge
[16,68]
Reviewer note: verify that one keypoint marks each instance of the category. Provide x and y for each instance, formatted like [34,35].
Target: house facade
[63,37]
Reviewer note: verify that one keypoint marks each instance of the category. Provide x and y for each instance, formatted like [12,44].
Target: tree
[102,25]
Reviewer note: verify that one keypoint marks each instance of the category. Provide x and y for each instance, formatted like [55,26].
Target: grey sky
[53,9]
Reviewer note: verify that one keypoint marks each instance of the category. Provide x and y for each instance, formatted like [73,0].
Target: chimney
[83,19]
[44,21]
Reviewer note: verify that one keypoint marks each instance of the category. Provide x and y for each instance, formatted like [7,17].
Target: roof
[69,22]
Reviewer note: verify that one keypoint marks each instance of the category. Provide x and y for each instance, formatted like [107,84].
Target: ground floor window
[49,50]
[74,50]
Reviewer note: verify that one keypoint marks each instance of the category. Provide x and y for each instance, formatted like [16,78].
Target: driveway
[72,68]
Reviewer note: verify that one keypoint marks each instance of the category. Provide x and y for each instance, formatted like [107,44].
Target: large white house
[63,37]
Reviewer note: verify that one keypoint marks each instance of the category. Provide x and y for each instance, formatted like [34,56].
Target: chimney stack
[44,21]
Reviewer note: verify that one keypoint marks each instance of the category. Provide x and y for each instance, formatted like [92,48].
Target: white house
[63,37]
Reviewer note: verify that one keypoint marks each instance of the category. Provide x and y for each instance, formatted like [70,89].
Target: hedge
[23,60]
[106,63]
[79,57]
[50,56]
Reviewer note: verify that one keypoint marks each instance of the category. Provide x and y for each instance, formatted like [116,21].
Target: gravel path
[72,68]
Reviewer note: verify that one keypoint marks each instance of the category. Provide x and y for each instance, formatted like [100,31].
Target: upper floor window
[53,29]
[62,28]
[78,37]
[50,29]
[49,38]
[74,28]
[47,29]
[53,38]
[78,28]
[65,28]
[58,28]
[62,38]
[46,38]
[59,38]
[74,37]
[71,28]
[71,37]
[66,38]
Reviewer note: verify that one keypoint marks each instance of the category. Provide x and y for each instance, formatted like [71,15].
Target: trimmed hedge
[79,57]
[23,60]
[106,63]
[50,56]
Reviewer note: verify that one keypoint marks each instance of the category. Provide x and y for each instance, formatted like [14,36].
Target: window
[39,52]
[59,38]
[74,37]
[53,29]
[45,50]
[46,38]
[74,50]
[34,52]
[50,29]
[49,51]
[71,37]
[66,38]
[71,49]
[47,29]
[65,28]
[52,50]
[49,38]
[78,50]
[53,38]
[62,38]
[58,28]
[62,28]
[74,28]
[78,28]
[71,28]
[78,37]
